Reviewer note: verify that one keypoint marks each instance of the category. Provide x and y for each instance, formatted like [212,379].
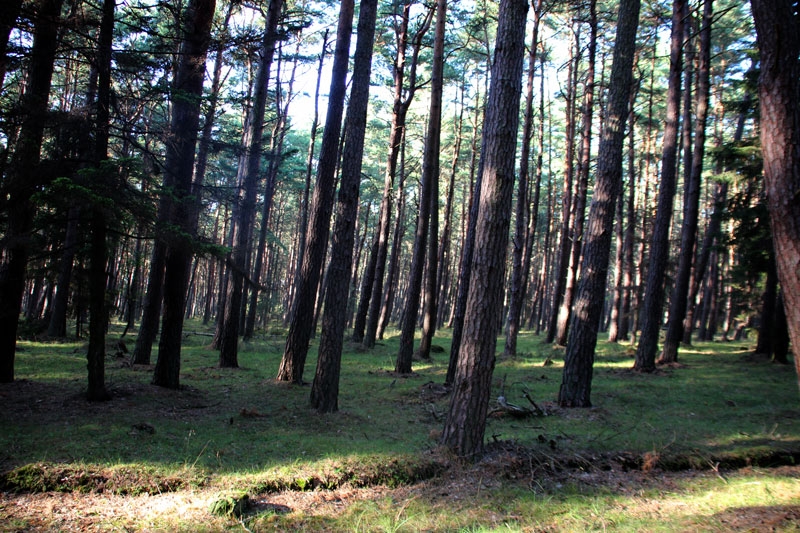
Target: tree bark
[427,200]
[248,173]
[466,420]
[576,383]
[301,325]
[778,37]
[659,246]
[179,166]
[691,212]
[22,180]
[325,388]
[522,230]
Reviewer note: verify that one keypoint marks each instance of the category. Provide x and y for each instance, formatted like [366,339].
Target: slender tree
[522,240]
[427,200]
[576,383]
[466,420]
[179,166]
[325,388]
[321,208]
[691,209]
[248,173]
[659,246]
[22,180]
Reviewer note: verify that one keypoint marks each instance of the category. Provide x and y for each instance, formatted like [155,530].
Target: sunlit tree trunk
[321,207]
[466,419]
[576,383]
[778,30]
[659,247]
[680,292]
[427,201]
[325,388]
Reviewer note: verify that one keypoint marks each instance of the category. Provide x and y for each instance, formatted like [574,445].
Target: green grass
[239,430]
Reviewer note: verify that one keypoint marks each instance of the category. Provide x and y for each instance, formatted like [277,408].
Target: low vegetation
[711,443]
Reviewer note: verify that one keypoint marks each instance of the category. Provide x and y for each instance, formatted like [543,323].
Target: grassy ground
[708,444]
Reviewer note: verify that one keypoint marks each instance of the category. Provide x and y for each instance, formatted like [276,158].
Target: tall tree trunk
[579,214]
[576,383]
[179,166]
[659,247]
[325,388]
[247,178]
[466,419]
[302,321]
[98,315]
[404,92]
[22,179]
[303,224]
[428,197]
[778,30]
[691,211]
[522,230]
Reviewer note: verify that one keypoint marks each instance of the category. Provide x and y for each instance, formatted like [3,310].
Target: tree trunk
[576,383]
[22,180]
[428,198]
[179,165]
[579,214]
[466,420]
[372,291]
[659,246]
[302,321]
[247,178]
[98,315]
[523,231]
[325,388]
[778,30]
[680,292]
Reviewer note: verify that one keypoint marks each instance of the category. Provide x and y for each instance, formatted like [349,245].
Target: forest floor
[154,459]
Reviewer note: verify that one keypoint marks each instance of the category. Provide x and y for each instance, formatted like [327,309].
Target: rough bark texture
[321,208]
[325,388]
[430,174]
[522,237]
[691,210]
[576,384]
[179,162]
[466,420]
[659,245]
[778,30]
[22,180]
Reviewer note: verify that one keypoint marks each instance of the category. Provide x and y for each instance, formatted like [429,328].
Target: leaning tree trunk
[659,246]
[680,292]
[302,321]
[325,388]
[466,420]
[22,180]
[778,30]
[179,163]
[576,383]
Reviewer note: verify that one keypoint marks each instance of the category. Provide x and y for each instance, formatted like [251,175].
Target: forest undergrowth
[710,443]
